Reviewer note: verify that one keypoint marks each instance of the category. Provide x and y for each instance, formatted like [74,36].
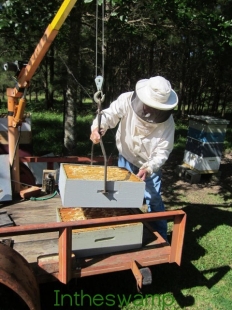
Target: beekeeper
[145,135]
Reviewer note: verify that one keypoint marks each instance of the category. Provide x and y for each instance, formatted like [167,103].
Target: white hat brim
[143,94]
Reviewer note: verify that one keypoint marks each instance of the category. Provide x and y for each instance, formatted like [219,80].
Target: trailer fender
[17,274]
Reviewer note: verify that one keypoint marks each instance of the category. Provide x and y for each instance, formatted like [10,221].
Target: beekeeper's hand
[95,135]
[144,172]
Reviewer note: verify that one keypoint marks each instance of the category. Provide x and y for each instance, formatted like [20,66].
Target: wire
[96,38]
[16,145]
[44,198]
[70,72]
[103,39]
[29,185]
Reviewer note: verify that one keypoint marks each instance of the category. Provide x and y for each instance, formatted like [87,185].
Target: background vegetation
[188,42]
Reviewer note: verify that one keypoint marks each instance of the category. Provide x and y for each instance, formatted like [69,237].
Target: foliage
[187,41]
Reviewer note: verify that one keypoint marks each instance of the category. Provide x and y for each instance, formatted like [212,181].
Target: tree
[187,41]
[72,92]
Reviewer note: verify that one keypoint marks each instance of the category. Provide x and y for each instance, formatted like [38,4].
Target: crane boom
[16,100]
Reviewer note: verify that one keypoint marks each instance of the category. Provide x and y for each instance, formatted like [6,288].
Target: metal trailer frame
[63,267]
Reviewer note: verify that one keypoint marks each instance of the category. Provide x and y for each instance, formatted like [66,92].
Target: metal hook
[99,97]
[99,82]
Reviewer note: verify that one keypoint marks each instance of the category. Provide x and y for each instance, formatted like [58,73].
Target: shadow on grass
[172,187]
[108,291]
[201,219]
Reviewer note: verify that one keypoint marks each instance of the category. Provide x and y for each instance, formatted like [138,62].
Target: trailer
[38,249]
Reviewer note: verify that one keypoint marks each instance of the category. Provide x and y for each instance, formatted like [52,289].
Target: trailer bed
[31,246]
[46,244]
[24,212]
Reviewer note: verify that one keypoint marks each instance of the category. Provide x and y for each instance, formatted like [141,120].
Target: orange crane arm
[16,107]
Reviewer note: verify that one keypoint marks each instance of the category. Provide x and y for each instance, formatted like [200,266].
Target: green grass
[47,133]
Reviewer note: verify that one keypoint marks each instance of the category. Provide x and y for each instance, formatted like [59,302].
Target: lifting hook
[99,98]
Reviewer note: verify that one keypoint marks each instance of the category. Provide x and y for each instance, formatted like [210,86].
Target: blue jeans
[152,194]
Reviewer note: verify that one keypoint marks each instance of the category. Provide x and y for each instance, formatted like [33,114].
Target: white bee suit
[142,143]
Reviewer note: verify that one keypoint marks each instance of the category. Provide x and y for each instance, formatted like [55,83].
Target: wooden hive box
[88,242]
[83,185]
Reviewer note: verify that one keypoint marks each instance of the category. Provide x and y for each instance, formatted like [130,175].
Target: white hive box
[25,141]
[25,136]
[207,128]
[201,164]
[204,145]
[83,185]
[88,242]
[5,179]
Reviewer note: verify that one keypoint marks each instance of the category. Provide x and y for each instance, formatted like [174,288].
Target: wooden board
[25,212]
[5,220]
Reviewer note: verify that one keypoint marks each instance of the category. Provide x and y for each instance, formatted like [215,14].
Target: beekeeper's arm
[160,153]
[110,117]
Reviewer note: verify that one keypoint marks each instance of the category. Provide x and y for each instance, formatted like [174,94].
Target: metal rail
[65,272]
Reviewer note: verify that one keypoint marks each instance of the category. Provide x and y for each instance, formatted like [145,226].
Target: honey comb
[76,214]
[97,173]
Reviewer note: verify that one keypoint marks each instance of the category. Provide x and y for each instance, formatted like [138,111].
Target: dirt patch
[211,189]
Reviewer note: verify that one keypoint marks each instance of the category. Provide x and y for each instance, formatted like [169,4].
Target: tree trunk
[72,89]
[51,78]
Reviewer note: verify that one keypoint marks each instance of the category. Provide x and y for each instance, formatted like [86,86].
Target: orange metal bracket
[65,247]
[137,274]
